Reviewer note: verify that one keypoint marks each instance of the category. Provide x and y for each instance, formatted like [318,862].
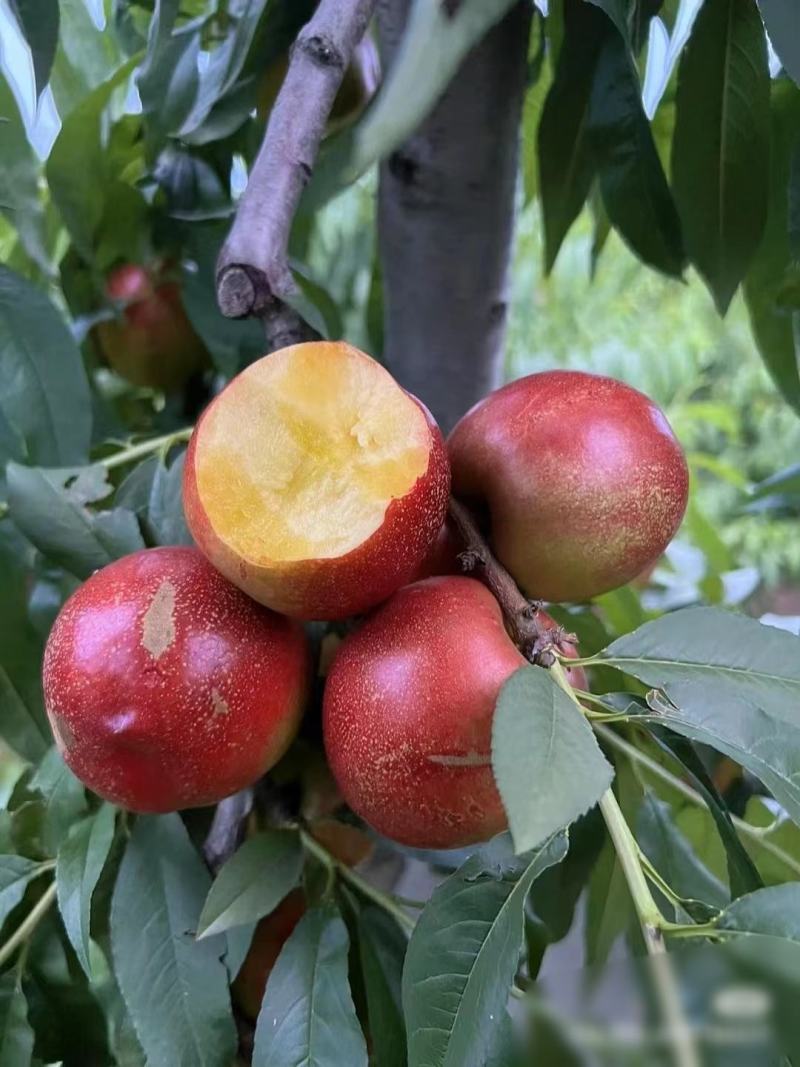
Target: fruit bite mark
[315,483]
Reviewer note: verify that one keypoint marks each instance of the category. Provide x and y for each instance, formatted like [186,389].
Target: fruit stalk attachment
[253,273]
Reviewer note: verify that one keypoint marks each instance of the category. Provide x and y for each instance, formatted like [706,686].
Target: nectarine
[168,688]
[408,710]
[153,343]
[315,483]
[583,480]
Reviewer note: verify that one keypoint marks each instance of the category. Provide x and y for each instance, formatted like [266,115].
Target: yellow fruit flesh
[302,455]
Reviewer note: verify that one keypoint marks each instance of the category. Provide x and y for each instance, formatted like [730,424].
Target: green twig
[146,448]
[28,924]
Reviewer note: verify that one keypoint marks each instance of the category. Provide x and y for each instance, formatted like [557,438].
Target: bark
[446,217]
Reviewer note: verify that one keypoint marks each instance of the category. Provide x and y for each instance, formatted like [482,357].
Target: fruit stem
[534,640]
[145,448]
[361,885]
[28,924]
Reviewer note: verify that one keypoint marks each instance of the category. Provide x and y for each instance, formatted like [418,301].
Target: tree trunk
[446,215]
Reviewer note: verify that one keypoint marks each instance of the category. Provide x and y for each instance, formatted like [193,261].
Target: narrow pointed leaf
[16,1035]
[80,863]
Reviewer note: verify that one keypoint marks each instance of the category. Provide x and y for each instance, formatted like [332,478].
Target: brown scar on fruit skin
[470,759]
[218,704]
[158,623]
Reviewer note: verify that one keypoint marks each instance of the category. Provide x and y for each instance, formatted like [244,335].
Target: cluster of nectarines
[316,488]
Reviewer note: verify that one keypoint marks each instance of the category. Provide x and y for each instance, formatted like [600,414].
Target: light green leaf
[80,863]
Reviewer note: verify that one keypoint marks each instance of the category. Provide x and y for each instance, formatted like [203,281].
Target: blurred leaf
[464,952]
[566,165]
[777,852]
[307,1016]
[81,859]
[154,493]
[253,882]
[619,12]
[721,127]
[175,987]
[782,19]
[194,189]
[38,20]
[62,528]
[435,43]
[729,682]
[540,79]
[539,735]
[776,331]
[45,394]
[772,913]
[786,482]
[78,151]
[634,187]
[16,873]
[705,536]
[19,167]
[16,1036]
[168,79]
[86,56]
[382,947]
[64,799]
[315,304]
[601,229]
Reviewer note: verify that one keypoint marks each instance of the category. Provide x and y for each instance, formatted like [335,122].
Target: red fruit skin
[153,344]
[166,687]
[407,715]
[584,481]
[334,588]
[443,556]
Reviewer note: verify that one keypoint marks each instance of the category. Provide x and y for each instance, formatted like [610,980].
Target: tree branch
[253,274]
[536,642]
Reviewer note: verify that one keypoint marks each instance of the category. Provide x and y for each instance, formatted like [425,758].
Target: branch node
[321,50]
[236,293]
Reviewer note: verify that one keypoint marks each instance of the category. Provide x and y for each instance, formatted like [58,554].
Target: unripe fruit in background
[315,483]
[166,687]
[408,711]
[152,344]
[583,480]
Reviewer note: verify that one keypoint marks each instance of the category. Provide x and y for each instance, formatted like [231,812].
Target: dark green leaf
[45,394]
[86,56]
[253,882]
[782,18]
[15,874]
[62,528]
[78,151]
[81,859]
[464,952]
[729,682]
[546,761]
[721,126]
[776,329]
[38,20]
[619,12]
[307,1016]
[154,493]
[632,182]
[16,1036]
[382,946]
[64,799]
[566,166]
[765,927]
[19,167]
[608,906]
[175,987]
[168,79]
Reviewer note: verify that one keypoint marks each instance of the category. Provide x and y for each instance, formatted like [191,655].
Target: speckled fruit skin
[166,687]
[584,481]
[408,709]
[152,344]
[337,587]
[443,555]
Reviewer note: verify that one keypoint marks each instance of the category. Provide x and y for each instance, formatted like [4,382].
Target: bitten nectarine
[315,483]
[152,344]
[583,479]
[408,710]
[167,687]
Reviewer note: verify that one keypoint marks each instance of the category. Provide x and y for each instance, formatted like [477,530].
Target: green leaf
[80,863]
[307,1015]
[19,167]
[86,56]
[253,882]
[45,394]
[38,20]
[15,874]
[464,952]
[64,798]
[776,329]
[16,1036]
[608,906]
[78,151]
[168,78]
[382,946]
[153,491]
[547,764]
[729,682]
[435,42]
[175,988]
[766,924]
[631,178]
[566,165]
[62,528]
[782,20]
[721,126]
